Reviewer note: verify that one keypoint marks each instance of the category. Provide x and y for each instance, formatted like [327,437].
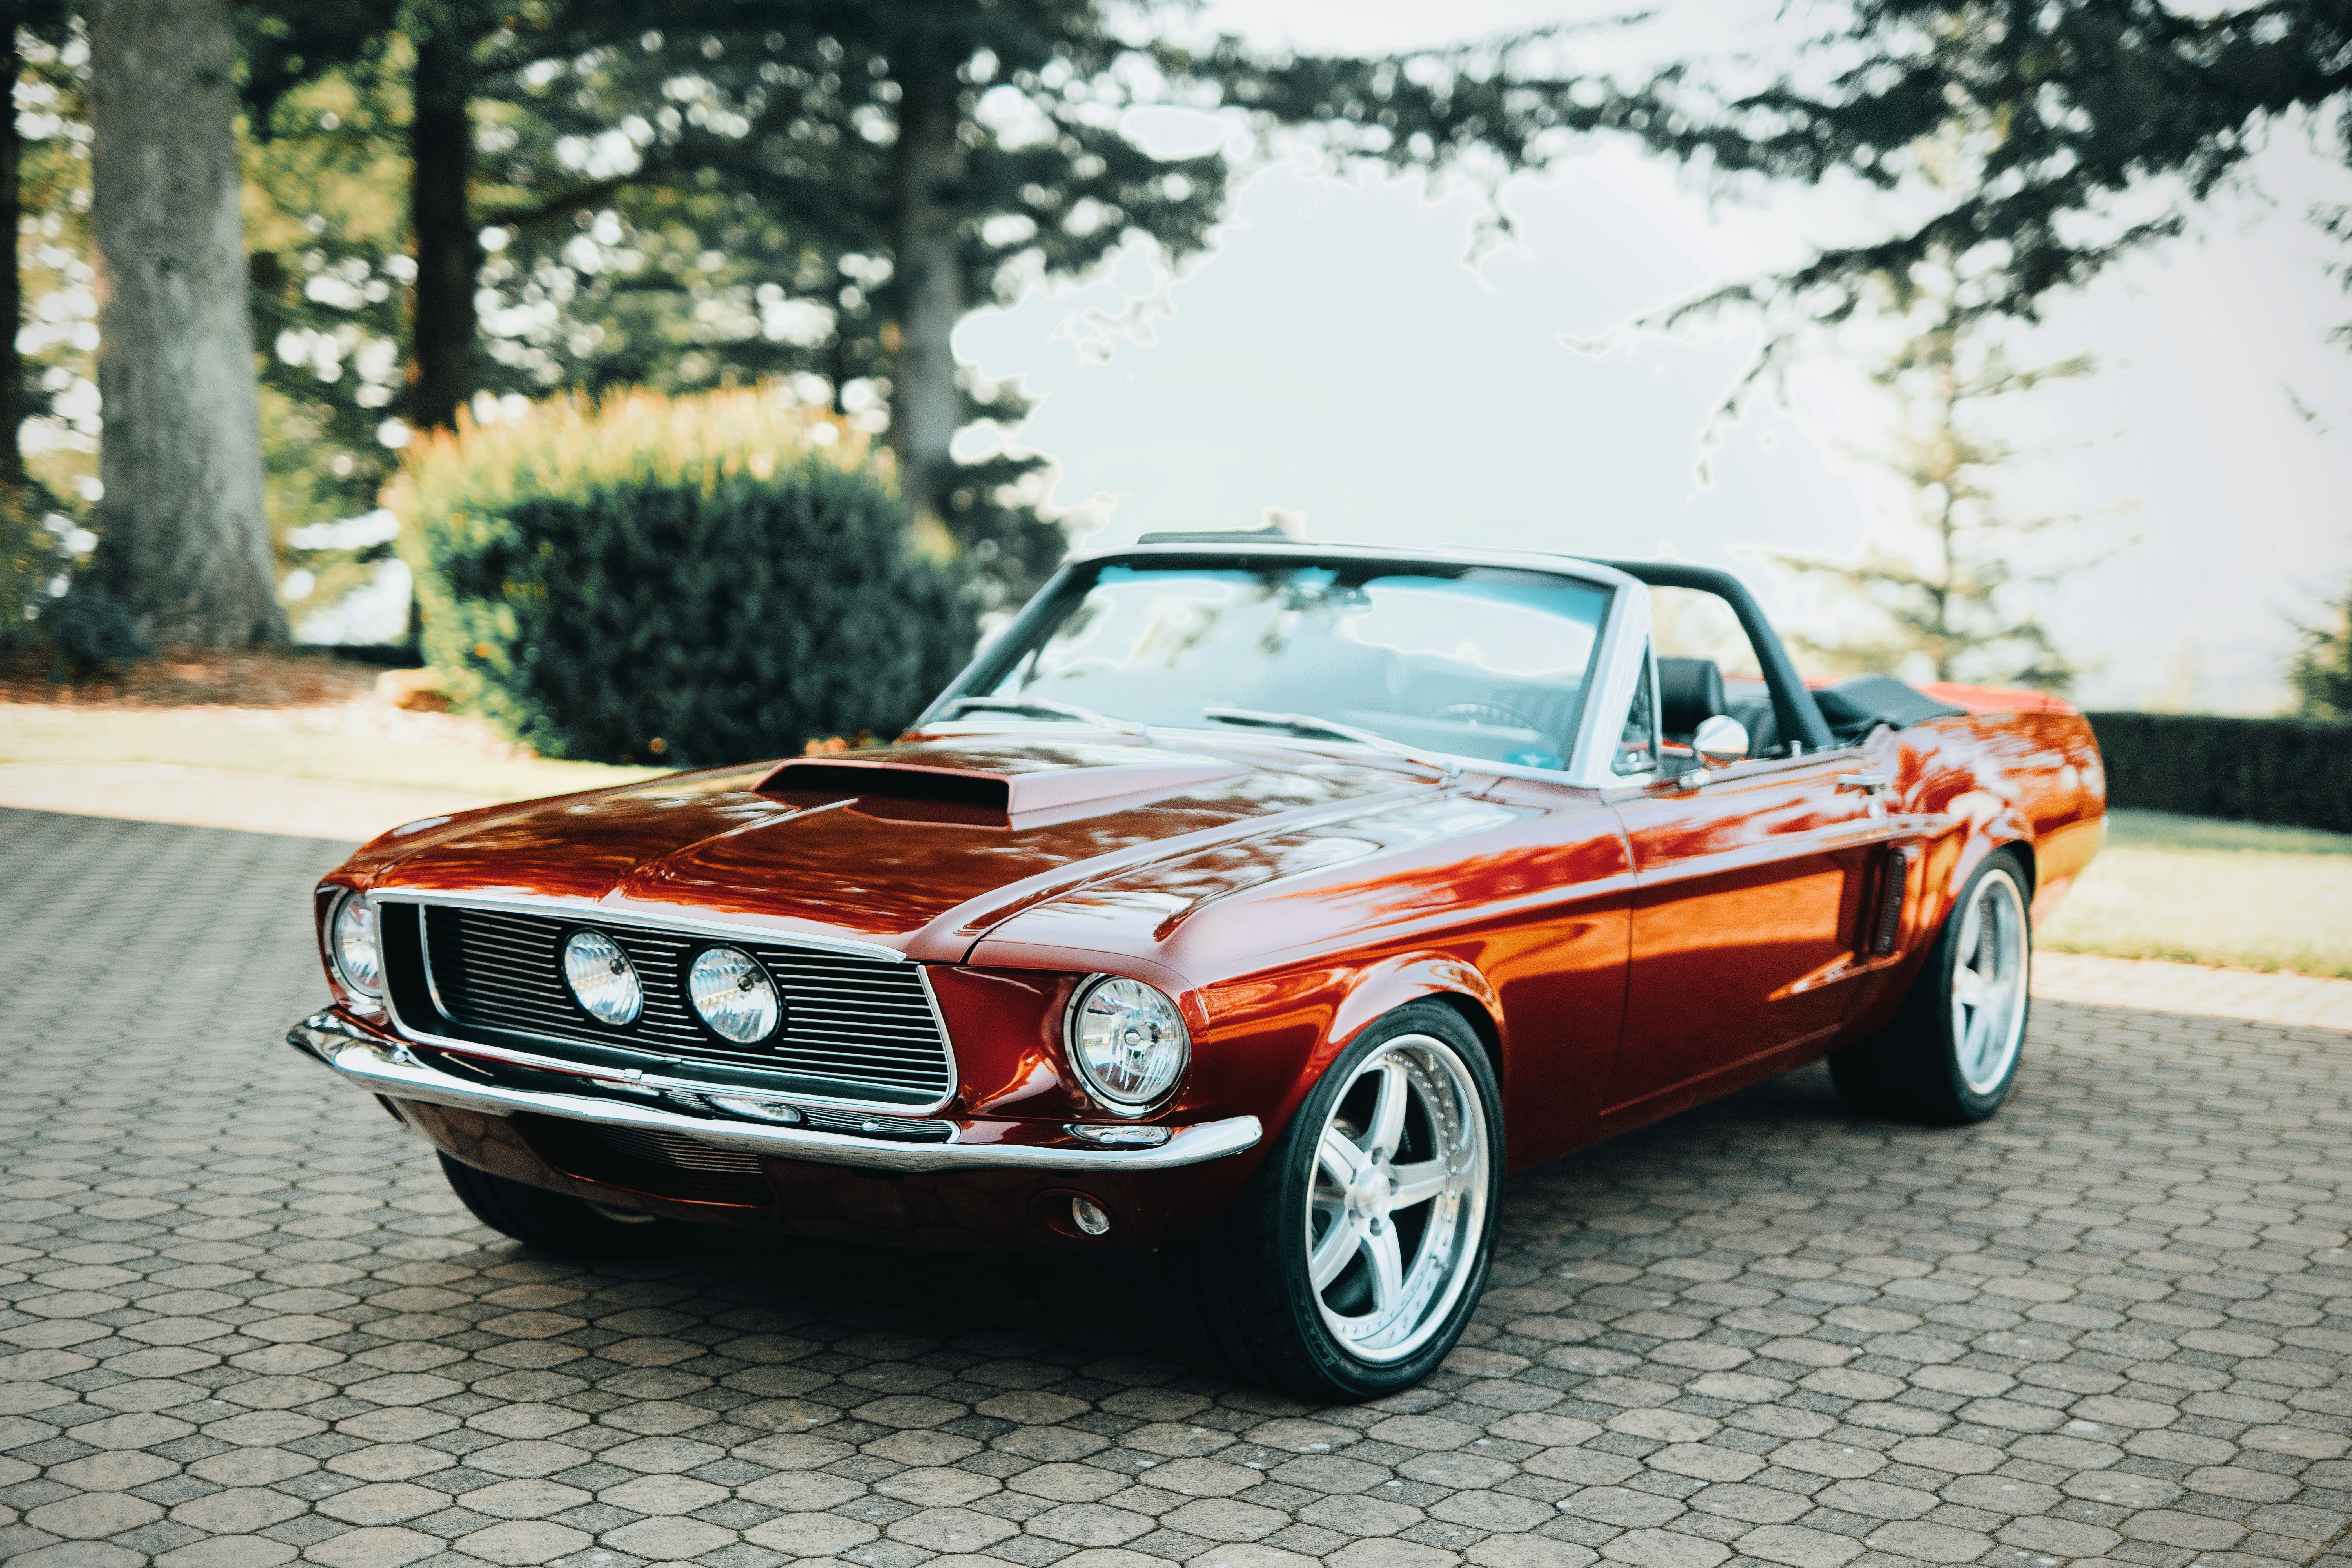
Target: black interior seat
[1690,692]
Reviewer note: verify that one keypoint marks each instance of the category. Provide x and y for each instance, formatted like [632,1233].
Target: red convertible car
[1262,902]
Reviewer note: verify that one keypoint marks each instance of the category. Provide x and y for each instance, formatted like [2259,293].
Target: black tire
[1926,1066]
[552,1222]
[1244,1284]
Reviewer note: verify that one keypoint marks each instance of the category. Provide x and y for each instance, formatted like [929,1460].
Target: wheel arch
[2007,832]
[1437,977]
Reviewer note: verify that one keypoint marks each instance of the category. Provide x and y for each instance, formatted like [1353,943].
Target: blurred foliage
[2320,673]
[2062,134]
[326,229]
[708,578]
[59,335]
[30,558]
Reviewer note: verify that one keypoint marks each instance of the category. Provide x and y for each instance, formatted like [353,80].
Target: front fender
[1389,984]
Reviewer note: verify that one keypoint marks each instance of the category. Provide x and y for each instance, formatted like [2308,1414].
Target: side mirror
[1720,741]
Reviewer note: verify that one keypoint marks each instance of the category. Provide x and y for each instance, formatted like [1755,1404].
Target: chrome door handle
[1870,784]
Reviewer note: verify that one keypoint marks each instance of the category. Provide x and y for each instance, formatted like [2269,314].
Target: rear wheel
[552,1222]
[1348,1266]
[1952,1051]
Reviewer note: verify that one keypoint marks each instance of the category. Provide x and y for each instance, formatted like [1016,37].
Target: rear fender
[1985,834]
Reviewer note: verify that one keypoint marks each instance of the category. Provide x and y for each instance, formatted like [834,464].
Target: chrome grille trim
[591,911]
[855,1029]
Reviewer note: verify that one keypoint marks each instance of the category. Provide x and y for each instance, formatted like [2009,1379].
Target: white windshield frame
[1618,659]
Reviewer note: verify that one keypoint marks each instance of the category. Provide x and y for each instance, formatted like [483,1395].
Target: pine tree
[1947,587]
[2320,673]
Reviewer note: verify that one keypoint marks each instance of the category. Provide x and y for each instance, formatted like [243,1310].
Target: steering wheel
[1490,714]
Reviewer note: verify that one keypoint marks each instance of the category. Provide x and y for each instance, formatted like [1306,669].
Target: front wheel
[1952,1051]
[552,1222]
[1348,1266]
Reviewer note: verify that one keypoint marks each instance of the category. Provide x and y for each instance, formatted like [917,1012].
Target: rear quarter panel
[2020,771]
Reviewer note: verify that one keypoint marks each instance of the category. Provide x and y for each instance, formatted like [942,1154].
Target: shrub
[30,558]
[90,629]
[712,578]
[2293,772]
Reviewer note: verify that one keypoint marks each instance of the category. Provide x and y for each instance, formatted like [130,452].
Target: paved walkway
[242,1322]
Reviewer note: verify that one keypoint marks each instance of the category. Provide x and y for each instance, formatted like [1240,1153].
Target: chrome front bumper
[387,1067]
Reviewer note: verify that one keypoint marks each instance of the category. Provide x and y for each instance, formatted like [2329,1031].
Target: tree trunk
[12,282]
[925,405]
[448,252]
[185,536]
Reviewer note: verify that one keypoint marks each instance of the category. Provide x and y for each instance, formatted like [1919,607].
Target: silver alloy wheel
[1989,982]
[1396,1198]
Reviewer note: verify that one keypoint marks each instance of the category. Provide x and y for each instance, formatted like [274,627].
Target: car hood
[922,847]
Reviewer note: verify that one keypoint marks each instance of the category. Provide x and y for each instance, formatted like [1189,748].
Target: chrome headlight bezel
[364,934]
[754,982]
[1164,1081]
[620,967]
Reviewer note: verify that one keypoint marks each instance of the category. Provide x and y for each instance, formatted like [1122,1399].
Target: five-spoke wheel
[1952,1051]
[1397,1196]
[1348,1267]
[1989,980]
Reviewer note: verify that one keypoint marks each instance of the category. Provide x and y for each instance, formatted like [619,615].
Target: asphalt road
[242,1322]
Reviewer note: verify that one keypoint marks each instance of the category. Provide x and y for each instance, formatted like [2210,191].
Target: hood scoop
[977,797]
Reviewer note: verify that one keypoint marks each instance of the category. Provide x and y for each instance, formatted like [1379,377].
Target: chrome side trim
[597,912]
[654,1079]
[383,1067]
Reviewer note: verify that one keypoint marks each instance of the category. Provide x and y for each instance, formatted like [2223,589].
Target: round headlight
[351,934]
[601,976]
[734,995]
[1128,1042]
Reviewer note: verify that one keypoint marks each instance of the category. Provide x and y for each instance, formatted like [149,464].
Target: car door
[1747,910]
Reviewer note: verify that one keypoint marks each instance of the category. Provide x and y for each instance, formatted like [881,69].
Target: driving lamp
[733,994]
[1127,1041]
[602,977]
[351,936]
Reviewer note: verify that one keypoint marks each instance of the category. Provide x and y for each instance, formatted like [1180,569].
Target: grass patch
[2197,889]
[349,745]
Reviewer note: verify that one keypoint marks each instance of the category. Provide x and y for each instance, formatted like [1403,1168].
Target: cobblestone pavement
[242,1322]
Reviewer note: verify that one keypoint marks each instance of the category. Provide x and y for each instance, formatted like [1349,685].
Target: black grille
[855,1028]
[646,1161]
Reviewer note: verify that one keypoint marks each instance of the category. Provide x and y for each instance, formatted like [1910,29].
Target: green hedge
[2293,772]
[715,578]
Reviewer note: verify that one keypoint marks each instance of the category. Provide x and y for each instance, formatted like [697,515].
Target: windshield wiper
[1048,707]
[1332,727]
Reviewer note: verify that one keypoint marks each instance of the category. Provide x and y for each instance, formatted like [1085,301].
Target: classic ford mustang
[1259,901]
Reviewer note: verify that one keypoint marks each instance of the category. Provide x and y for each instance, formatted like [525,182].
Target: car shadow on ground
[1111,1311]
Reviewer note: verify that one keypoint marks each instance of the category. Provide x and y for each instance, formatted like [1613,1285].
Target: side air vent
[1894,886]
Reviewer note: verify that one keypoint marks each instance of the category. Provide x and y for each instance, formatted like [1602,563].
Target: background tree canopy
[735,192]
[449,200]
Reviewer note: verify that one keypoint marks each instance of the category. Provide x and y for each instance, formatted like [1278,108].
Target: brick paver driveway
[242,1321]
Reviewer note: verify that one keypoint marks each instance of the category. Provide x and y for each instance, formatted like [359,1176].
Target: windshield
[1478,661]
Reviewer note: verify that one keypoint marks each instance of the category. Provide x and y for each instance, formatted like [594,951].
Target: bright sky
[1334,355]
